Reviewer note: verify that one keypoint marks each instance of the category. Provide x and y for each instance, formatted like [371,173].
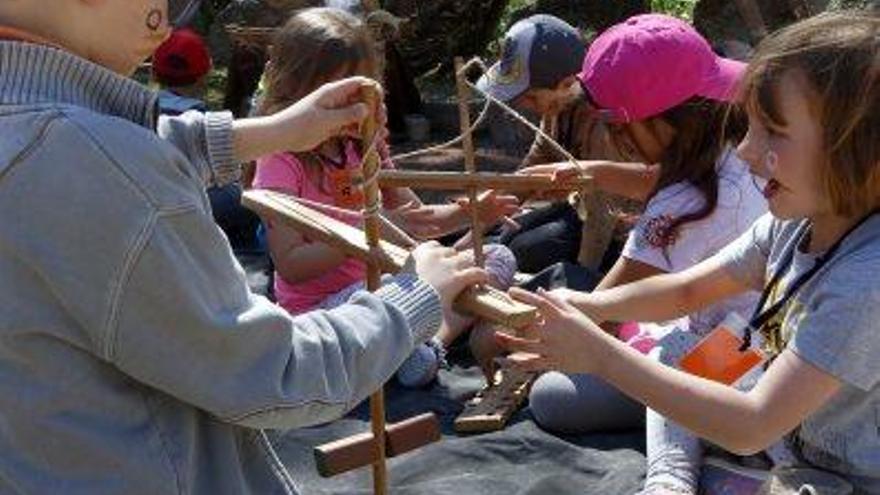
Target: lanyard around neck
[759,317]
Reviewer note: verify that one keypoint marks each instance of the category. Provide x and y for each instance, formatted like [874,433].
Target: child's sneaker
[720,475]
[421,367]
[799,480]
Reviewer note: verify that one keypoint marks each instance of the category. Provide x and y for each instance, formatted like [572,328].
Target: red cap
[182,59]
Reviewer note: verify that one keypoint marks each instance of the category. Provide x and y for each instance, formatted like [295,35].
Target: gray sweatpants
[586,404]
[575,404]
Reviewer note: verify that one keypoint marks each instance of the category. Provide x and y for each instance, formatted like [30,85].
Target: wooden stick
[355,451]
[322,228]
[483,302]
[454,181]
[371,228]
[492,407]
[250,36]
[470,164]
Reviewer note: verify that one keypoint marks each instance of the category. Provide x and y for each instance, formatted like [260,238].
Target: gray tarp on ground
[521,459]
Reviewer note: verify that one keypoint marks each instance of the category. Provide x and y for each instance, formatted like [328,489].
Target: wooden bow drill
[370,168]
[373,448]
[482,302]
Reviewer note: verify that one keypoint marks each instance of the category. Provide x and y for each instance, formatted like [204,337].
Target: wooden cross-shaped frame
[482,302]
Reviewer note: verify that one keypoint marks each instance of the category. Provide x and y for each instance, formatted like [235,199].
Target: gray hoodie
[133,358]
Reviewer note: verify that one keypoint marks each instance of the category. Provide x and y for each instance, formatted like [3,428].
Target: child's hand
[333,109]
[560,172]
[447,270]
[562,339]
[493,207]
[418,220]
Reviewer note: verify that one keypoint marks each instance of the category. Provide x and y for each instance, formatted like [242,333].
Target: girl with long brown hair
[316,46]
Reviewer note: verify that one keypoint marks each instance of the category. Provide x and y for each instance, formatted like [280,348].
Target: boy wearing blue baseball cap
[541,57]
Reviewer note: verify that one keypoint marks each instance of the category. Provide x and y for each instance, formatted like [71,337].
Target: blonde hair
[839,56]
[314,47]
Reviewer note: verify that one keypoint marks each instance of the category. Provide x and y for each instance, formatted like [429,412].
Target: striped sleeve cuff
[418,301]
[221,148]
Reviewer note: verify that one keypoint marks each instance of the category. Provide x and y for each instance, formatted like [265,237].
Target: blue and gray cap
[537,52]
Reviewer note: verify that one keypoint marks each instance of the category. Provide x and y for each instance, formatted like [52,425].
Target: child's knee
[581,404]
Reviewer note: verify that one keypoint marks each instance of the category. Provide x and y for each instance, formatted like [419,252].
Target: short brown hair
[837,53]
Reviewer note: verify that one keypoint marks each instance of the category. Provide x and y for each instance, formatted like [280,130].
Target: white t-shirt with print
[740,203]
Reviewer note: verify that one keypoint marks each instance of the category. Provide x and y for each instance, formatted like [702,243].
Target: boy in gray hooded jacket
[133,358]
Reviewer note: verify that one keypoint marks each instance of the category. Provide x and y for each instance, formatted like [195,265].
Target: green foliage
[678,8]
[506,20]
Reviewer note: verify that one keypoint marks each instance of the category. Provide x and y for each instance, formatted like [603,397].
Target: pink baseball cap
[650,63]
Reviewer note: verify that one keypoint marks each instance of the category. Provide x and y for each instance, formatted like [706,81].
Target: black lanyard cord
[760,318]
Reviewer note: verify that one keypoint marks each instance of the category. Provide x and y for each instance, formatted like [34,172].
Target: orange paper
[345,193]
[718,358]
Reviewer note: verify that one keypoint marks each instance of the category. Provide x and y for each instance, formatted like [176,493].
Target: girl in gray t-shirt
[812,92]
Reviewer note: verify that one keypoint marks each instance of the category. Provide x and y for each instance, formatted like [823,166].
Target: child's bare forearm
[742,422]
[662,297]
[308,261]
[631,180]
[716,412]
[449,218]
[257,136]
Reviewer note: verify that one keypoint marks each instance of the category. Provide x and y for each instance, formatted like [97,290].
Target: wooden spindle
[371,228]
[470,164]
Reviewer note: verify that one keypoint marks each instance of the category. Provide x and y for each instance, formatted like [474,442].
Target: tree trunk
[441,29]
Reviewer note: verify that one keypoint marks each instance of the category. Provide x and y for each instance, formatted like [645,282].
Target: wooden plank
[359,450]
[496,306]
[454,181]
[260,37]
[483,302]
[345,454]
[412,433]
[320,227]
[492,407]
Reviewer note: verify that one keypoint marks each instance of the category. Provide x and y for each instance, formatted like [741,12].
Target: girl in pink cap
[659,87]
[812,94]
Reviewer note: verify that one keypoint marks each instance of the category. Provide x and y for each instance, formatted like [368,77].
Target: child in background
[180,66]
[313,47]
[812,93]
[541,56]
[130,337]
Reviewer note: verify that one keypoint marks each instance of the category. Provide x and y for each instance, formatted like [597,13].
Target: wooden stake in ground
[360,450]
[371,228]
[470,164]
[496,403]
